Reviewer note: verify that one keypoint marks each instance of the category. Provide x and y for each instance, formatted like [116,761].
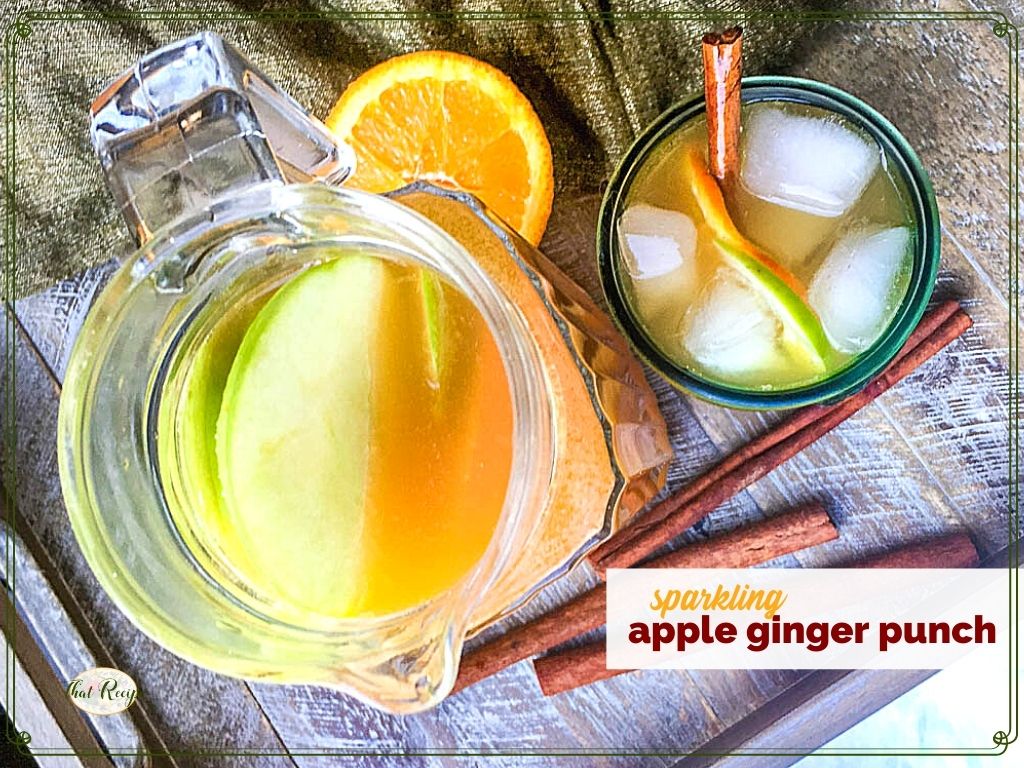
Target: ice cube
[730,329]
[661,301]
[854,289]
[814,165]
[655,241]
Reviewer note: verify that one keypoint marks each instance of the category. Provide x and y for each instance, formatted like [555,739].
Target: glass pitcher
[228,186]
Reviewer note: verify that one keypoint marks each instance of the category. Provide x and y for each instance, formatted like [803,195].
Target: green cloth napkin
[597,72]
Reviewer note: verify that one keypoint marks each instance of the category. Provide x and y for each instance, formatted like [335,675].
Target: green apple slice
[293,433]
[433,320]
[194,491]
[802,330]
[802,334]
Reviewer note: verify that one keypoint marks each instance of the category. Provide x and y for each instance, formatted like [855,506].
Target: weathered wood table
[929,457]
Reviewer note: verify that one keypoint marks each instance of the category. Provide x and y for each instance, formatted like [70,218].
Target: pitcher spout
[413,678]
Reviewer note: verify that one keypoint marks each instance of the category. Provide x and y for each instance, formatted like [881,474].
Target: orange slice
[783,290]
[712,205]
[452,120]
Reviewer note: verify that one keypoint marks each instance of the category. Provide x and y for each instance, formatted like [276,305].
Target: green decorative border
[17,30]
[21,28]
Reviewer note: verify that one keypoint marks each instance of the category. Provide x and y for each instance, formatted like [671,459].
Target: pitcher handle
[195,120]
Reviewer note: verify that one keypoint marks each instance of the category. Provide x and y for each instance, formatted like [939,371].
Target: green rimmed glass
[904,163]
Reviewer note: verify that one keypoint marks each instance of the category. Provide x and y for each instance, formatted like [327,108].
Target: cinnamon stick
[573,668]
[938,328]
[955,550]
[585,664]
[651,532]
[605,555]
[802,527]
[722,71]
